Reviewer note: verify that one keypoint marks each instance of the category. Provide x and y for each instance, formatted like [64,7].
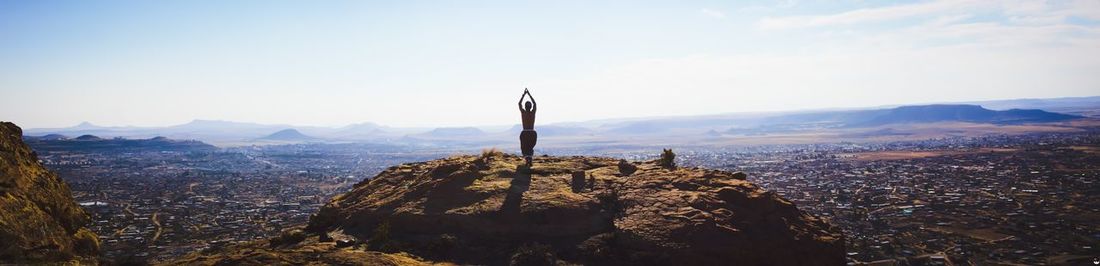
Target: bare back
[528,119]
[527,112]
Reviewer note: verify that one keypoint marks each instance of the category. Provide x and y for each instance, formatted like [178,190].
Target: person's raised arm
[520,103]
[534,106]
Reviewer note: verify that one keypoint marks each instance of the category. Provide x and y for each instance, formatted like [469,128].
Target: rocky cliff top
[39,221]
[490,209]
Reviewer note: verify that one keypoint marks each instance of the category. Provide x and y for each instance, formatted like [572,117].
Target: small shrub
[533,254]
[740,176]
[610,201]
[487,154]
[380,240]
[626,168]
[599,249]
[85,242]
[288,237]
[443,246]
[668,159]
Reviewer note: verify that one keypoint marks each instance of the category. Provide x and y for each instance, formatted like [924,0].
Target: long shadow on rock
[520,183]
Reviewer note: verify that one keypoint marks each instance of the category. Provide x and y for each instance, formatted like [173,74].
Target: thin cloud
[713,13]
[866,15]
[787,4]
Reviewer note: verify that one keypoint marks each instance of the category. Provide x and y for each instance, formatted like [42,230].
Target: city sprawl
[1015,199]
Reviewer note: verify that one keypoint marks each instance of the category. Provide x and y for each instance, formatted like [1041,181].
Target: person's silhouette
[528,137]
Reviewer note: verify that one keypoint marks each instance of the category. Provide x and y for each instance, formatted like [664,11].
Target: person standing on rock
[528,137]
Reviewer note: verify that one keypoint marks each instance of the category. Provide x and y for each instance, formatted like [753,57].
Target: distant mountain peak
[960,113]
[205,122]
[223,126]
[289,134]
[88,137]
[362,128]
[363,125]
[86,125]
[201,121]
[456,131]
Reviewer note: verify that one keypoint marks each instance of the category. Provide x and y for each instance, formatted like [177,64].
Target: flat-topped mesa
[40,223]
[490,209]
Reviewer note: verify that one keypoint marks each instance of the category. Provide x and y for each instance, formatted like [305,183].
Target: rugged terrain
[490,209]
[39,220]
[307,250]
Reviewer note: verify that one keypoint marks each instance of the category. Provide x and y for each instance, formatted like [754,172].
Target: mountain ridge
[40,223]
[735,124]
[61,144]
[962,113]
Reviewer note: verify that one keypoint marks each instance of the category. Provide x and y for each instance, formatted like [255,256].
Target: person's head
[527,105]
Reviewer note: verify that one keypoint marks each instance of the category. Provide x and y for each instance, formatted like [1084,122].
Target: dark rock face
[493,211]
[39,221]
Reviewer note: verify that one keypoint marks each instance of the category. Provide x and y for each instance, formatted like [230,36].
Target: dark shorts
[527,141]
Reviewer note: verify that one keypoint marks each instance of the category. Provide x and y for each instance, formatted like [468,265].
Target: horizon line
[293,126]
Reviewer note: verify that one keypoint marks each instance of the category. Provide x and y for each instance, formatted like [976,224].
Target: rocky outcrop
[39,221]
[490,209]
[308,250]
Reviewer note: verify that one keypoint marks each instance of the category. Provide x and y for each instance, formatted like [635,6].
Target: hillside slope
[39,221]
[490,210]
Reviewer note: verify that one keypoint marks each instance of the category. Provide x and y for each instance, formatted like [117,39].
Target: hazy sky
[450,63]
